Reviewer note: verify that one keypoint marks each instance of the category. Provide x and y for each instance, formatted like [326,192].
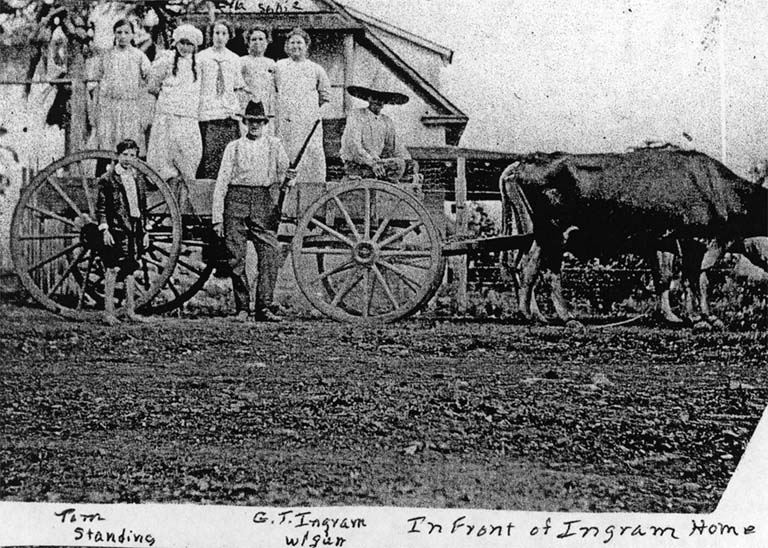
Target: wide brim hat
[188,32]
[388,97]
[255,111]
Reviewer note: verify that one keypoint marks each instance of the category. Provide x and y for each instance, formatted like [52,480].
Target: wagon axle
[364,253]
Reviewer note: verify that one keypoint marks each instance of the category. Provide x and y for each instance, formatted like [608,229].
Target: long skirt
[175,147]
[216,135]
[120,119]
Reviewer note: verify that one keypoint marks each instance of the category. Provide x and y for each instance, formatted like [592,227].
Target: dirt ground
[426,412]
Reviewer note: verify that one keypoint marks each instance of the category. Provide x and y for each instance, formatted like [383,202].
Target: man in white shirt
[245,208]
[370,146]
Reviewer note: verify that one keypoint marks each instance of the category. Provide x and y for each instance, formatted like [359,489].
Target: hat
[255,111]
[388,97]
[188,32]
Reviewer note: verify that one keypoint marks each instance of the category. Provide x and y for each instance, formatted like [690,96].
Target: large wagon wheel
[54,236]
[367,252]
[193,267]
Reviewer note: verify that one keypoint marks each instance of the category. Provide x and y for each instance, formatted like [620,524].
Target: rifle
[283,187]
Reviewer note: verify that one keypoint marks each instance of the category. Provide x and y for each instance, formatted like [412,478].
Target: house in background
[356,49]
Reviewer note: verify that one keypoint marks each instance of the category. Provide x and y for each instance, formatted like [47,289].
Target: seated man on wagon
[369,146]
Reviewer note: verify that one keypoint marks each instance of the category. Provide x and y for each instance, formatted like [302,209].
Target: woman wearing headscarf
[175,146]
[302,88]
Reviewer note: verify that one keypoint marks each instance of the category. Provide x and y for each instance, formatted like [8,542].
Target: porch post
[349,70]
[461,232]
[77,127]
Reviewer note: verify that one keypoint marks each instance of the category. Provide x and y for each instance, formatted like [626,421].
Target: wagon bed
[363,251]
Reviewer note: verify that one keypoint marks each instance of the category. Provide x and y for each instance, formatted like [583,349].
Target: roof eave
[445,53]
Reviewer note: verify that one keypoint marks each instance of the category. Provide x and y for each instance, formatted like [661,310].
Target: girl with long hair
[123,71]
[175,147]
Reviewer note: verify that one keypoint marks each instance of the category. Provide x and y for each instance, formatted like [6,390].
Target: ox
[654,203]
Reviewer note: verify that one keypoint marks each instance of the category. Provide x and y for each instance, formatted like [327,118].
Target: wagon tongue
[496,243]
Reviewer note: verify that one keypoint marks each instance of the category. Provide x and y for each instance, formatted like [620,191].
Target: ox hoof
[702,325]
[676,323]
[716,323]
[709,323]
[673,320]
[575,325]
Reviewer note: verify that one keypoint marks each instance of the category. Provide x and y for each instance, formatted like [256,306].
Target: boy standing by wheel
[121,208]
[245,208]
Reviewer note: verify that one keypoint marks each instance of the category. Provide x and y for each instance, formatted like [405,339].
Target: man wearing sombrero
[370,146]
[245,208]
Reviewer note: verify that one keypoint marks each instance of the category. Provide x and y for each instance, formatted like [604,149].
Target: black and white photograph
[449,270]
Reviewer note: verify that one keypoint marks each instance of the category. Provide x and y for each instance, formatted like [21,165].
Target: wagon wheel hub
[364,253]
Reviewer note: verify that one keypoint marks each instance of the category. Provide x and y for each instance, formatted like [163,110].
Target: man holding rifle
[254,171]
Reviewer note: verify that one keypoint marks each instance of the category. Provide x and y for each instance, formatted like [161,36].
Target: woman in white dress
[259,73]
[302,88]
[221,81]
[175,146]
[123,71]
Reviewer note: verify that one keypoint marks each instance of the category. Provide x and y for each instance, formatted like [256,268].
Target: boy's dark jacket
[112,201]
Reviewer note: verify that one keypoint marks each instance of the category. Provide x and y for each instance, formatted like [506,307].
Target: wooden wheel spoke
[190,267]
[413,264]
[325,275]
[170,285]
[160,238]
[153,262]
[67,272]
[89,199]
[324,251]
[51,214]
[153,207]
[70,202]
[367,292]
[385,285]
[368,197]
[347,217]
[401,234]
[382,227]
[324,227]
[413,284]
[41,237]
[54,257]
[346,288]
[153,247]
[145,273]
[408,253]
[393,210]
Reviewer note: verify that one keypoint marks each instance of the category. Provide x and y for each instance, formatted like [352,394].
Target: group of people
[234,119]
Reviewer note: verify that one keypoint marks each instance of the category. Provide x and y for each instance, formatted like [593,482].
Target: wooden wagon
[364,251]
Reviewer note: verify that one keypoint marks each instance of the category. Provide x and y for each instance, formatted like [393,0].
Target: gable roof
[449,115]
[373,22]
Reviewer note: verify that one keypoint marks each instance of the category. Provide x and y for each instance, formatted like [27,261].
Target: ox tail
[516,214]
